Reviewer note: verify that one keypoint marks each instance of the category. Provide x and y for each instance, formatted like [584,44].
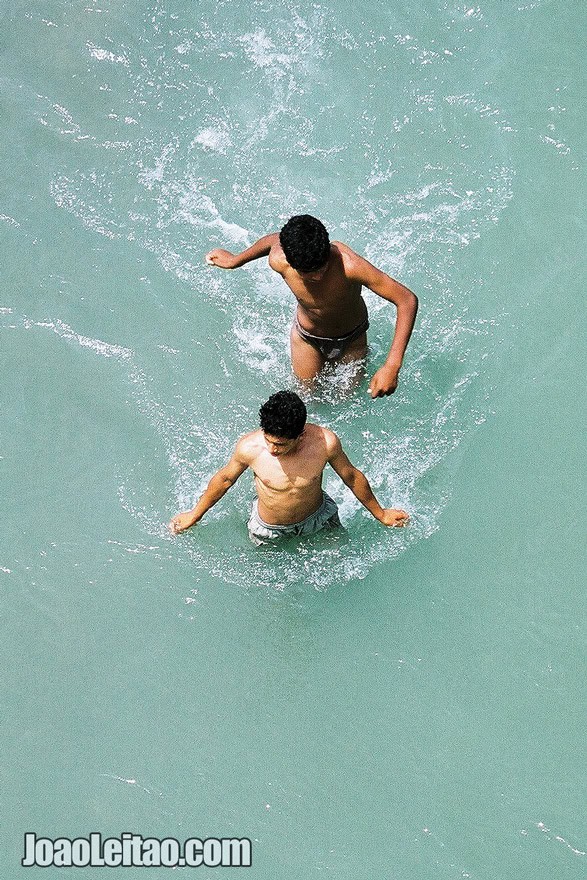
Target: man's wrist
[194,518]
[376,511]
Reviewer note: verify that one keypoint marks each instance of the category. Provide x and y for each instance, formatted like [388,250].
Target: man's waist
[328,324]
[287,512]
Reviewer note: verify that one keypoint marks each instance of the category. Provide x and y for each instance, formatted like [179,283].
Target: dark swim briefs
[331,347]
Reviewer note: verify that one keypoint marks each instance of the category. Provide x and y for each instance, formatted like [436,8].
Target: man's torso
[332,306]
[289,486]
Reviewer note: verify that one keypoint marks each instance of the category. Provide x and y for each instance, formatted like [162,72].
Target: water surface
[399,704]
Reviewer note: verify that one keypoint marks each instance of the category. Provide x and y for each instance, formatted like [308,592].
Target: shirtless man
[326,279]
[287,457]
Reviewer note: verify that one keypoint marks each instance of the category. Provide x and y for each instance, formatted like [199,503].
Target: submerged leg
[355,355]
[306,361]
[356,351]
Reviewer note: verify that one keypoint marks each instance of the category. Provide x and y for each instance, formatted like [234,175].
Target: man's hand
[384,381]
[181,522]
[223,259]
[392,517]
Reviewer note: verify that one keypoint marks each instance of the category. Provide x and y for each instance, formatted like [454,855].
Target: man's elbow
[411,301]
[220,483]
[405,301]
[350,478]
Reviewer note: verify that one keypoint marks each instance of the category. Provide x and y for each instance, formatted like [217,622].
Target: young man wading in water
[287,457]
[326,278]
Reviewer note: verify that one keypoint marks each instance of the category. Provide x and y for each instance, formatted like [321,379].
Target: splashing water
[237,163]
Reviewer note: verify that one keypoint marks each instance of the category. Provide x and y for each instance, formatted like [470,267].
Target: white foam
[263,53]
[106,55]
[217,139]
[65,196]
[10,220]
[559,146]
[64,331]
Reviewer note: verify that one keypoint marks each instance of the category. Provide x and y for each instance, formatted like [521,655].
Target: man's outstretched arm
[385,380]
[227,260]
[359,486]
[216,489]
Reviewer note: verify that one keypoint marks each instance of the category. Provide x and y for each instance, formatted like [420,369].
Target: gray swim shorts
[326,517]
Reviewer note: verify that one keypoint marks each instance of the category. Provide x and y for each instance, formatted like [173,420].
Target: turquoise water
[393,705]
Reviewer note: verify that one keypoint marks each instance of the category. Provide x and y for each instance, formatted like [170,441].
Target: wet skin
[288,478]
[330,305]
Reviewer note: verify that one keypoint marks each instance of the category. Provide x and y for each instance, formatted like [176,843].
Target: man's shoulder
[277,259]
[249,445]
[325,436]
[346,252]
[352,262]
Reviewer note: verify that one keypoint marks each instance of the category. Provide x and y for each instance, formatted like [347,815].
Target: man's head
[305,243]
[282,418]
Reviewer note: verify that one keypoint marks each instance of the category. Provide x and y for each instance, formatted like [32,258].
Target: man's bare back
[331,315]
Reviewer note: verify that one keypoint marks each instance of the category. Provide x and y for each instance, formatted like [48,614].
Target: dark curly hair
[305,243]
[283,415]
